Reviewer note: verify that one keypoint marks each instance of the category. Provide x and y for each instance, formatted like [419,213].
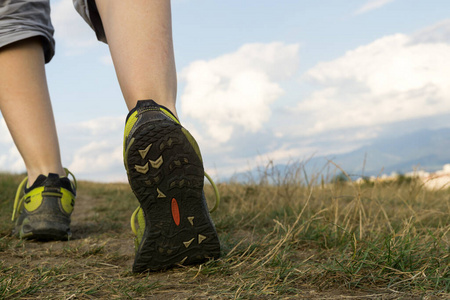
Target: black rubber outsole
[46,235]
[47,223]
[43,231]
[166,176]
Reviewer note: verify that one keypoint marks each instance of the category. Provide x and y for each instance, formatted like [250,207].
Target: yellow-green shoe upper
[43,210]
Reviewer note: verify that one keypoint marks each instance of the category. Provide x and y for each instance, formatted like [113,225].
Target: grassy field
[283,237]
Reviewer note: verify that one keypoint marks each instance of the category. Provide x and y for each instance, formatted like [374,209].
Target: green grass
[284,236]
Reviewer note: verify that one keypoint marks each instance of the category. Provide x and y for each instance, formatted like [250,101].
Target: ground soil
[96,264]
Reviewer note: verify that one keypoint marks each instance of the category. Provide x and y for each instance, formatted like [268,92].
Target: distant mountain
[425,150]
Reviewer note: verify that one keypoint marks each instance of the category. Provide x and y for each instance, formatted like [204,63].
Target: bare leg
[139,35]
[26,108]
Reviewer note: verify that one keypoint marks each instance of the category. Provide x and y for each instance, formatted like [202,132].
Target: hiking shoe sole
[166,175]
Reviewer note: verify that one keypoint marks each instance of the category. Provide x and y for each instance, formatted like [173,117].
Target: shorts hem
[48,44]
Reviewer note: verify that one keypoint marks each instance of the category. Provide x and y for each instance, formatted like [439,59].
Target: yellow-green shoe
[165,171]
[43,211]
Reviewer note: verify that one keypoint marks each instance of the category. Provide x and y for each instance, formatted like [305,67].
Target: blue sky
[260,80]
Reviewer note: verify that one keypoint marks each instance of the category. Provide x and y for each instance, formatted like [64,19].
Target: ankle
[170,105]
[33,174]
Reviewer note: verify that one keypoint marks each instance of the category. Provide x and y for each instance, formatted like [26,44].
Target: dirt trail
[96,262]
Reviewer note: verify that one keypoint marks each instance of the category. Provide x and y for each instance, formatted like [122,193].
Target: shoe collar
[152,105]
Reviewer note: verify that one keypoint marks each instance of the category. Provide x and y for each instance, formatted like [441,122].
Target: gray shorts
[22,19]
[88,10]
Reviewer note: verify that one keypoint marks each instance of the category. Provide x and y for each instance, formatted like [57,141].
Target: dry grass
[283,236]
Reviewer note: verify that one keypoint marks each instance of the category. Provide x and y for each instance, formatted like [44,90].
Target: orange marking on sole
[175,211]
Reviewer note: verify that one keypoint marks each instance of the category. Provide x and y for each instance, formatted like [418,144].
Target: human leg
[26,108]
[45,199]
[162,159]
[139,35]
[44,210]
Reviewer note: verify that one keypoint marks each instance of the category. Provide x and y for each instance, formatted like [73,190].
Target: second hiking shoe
[165,171]
[44,210]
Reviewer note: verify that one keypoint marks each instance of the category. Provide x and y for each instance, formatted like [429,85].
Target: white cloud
[437,33]
[386,81]
[97,157]
[234,91]
[283,154]
[103,125]
[371,5]
[93,149]
[70,28]
[5,136]
[107,60]
[10,159]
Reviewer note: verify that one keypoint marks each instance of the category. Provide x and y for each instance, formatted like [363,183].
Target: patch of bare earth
[265,256]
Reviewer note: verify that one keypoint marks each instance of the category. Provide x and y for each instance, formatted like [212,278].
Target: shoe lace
[216,193]
[18,200]
[216,205]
